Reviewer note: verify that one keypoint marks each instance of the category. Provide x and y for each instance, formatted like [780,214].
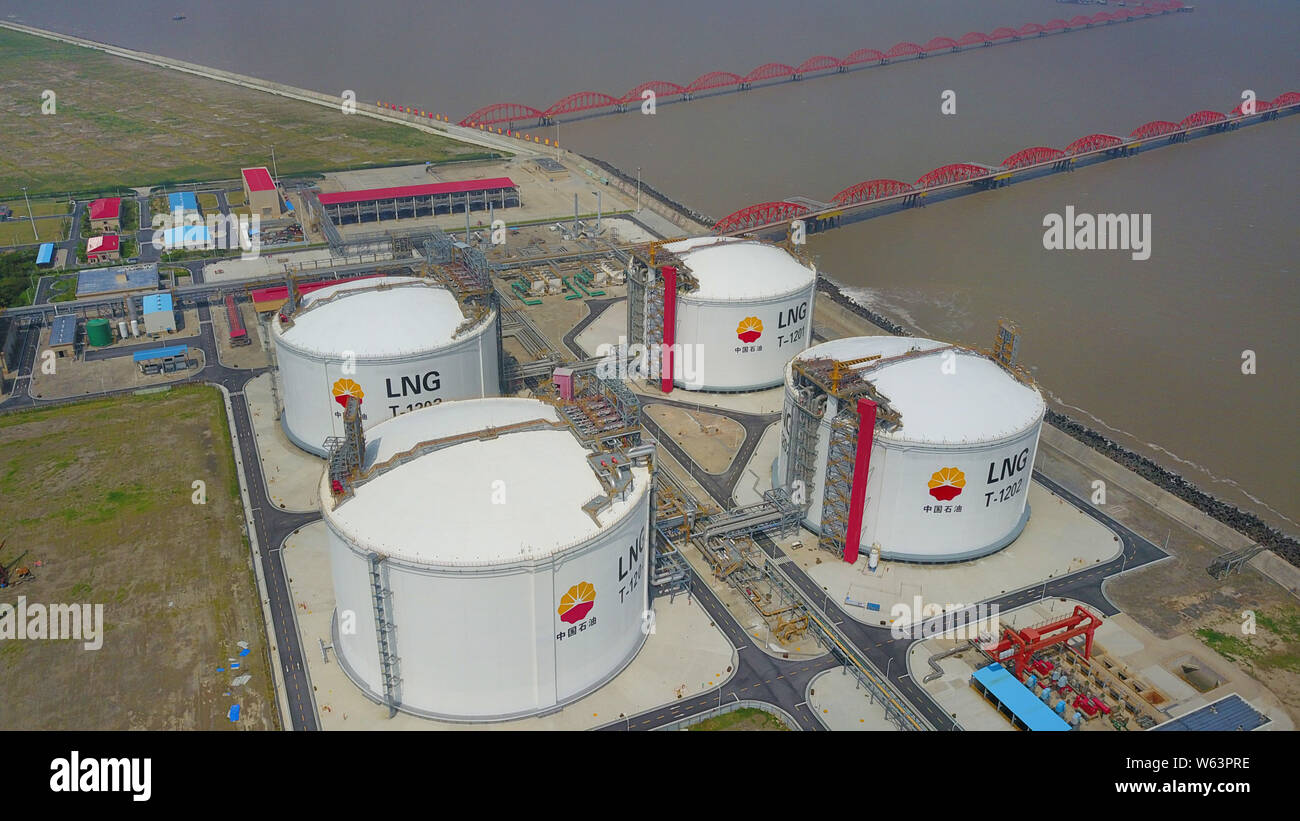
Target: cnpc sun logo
[577,603]
[343,388]
[946,484]
[749,329]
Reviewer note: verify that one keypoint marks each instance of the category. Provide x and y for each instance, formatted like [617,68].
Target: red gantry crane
[1030,640]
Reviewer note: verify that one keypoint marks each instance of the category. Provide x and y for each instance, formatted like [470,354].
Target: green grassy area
[64,289]
[40,208]
[1274,646]
[208,203]
[130,216]
[19,231]
[113,519]
[746,718]
[120,123]
[17,277]
[235,198]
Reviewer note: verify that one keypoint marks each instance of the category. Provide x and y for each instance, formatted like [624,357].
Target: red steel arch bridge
[505,115]
[1035,160]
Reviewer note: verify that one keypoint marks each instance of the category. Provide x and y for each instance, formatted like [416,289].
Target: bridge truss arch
[755,216]
[661,88]
[1155,128]
[1032,156]
[1093,142]
[872,190]
[955,172]
[501,113]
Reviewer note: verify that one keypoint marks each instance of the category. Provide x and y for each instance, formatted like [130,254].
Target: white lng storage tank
[950,480]
[743,309]
[398,343]
[509,561]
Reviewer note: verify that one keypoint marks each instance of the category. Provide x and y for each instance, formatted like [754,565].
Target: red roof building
[260,193]
[107,209]
[103,247]
[258,179]
[425,190]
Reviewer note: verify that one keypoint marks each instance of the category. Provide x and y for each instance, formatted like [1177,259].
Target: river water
[1147,351]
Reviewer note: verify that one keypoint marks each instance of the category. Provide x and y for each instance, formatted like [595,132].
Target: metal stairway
[383,631]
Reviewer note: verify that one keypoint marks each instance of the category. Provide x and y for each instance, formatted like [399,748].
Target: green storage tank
[99,333]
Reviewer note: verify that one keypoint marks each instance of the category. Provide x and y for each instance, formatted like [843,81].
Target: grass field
[19,231]
[40,208]
[101,493]
[746,718]
[123,123]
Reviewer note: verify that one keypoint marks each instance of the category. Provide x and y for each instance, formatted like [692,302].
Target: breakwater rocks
[885,323]
[689,213]
[1239,520]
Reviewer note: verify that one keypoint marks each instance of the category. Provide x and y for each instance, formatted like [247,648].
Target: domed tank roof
[515,497]
[972,400]
[728,268]
[414,316]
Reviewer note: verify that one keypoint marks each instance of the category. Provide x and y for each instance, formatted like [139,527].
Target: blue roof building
[159,353]
[183,201]
[117,279]
[1230,713]
[1014,700]
[158,313]
[63,333]
[186,237]
[45,255]
[157,302]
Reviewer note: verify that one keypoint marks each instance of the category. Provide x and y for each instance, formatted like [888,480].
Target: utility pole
[29,214]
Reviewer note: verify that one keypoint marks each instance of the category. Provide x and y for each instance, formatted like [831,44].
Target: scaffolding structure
[603,416]
[825,385]
[1006,345]
[837,497]
[645,296]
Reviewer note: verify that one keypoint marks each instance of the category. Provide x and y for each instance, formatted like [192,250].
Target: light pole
[638,188]
[274,170]
[597,193]
[29,214]
[888,664]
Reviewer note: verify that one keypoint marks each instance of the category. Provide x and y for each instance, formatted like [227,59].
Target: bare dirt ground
[711,440]
[101,493]
[252,355]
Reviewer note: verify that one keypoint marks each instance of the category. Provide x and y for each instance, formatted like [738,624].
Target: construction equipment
[841,366]
[659,243]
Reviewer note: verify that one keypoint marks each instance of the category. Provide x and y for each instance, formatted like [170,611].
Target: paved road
[596,306]
[719,486]
[758,676]
[757,671]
